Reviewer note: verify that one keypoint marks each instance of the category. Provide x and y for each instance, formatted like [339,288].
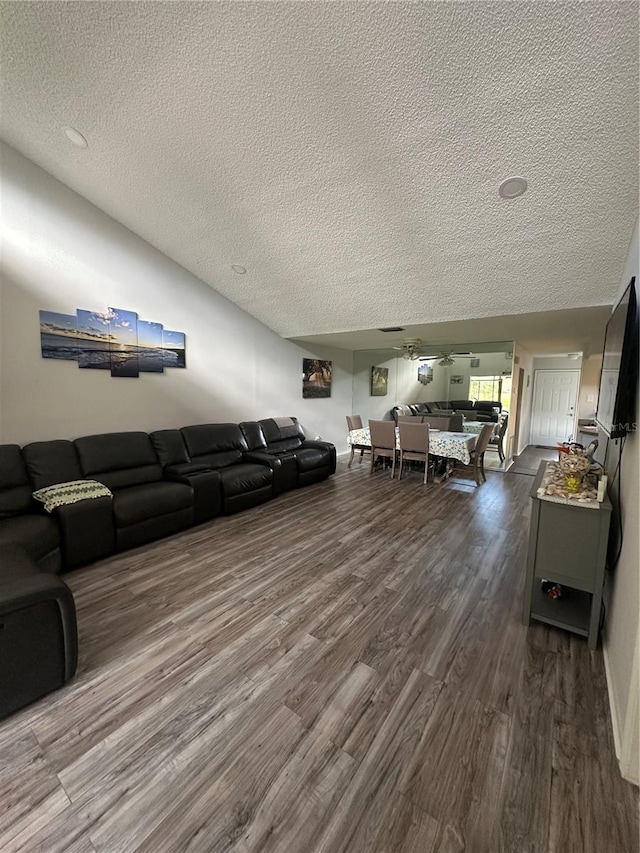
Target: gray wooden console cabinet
[568,545]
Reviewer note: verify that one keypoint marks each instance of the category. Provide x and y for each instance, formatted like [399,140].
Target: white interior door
[553,413]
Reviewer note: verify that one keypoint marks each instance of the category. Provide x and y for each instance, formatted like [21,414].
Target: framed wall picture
[316,378]
[379,381]
[425,374]
[456,380]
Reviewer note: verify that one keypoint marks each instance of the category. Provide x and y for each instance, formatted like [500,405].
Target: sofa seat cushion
[245,477]
[150,500]
[38,534]
[310,458]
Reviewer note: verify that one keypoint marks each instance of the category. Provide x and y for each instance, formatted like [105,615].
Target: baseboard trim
[613,710]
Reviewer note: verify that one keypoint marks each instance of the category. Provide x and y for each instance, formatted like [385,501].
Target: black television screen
[619,376]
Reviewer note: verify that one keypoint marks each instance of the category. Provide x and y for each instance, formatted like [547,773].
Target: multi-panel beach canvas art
[94,352]
[123,334]
[150,351]
[59,335]
[116,340]
[173,348]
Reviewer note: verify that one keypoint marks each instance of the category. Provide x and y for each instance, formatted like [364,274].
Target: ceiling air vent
[392,329]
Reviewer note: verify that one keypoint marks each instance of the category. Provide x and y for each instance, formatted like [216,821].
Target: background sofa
[479,410]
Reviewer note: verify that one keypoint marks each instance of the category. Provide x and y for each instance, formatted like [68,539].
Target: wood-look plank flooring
[342,670]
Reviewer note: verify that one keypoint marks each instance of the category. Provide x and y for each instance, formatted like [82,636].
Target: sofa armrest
[328,447]
[320,445]
[23,592]
[87,530]
[205,482]
[261,457]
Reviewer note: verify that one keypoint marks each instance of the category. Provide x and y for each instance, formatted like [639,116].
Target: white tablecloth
[453,445]
[474,426]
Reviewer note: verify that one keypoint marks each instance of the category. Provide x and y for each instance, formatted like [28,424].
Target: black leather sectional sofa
[160,483]
[487,411]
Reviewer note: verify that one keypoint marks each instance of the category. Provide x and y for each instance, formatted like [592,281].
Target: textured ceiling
[347,154]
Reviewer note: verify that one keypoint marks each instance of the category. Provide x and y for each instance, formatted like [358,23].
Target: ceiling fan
[413,349]
[410,349]
[446,359]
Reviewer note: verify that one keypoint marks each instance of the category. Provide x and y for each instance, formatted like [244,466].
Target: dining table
[449,445]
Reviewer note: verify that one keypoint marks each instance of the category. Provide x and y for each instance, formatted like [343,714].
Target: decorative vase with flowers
[574,463]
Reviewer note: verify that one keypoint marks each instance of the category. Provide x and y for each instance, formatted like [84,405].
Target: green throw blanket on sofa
[69,493]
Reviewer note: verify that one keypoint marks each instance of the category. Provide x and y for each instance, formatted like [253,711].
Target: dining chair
[355,422]
[383,443]
[437,421]
[496,441]
[410,419]
[477,454]
[414,445]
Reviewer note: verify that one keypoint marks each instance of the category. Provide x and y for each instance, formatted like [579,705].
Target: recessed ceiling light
[512,187]
[76,137]
[237,268]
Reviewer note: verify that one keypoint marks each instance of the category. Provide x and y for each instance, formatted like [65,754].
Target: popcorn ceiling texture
[347,154]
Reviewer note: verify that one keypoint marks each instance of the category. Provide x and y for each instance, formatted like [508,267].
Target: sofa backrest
[461,404]
[215,445]
[119,459]
[51,462]
[170,447]
[282,434]
[487,406]
[253,435]
[400,409]
[15,488]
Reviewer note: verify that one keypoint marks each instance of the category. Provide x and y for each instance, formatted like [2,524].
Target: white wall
[621,635]
[59,252]
[551,362]
[589,384]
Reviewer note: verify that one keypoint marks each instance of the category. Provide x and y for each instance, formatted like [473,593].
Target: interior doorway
[553,412]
